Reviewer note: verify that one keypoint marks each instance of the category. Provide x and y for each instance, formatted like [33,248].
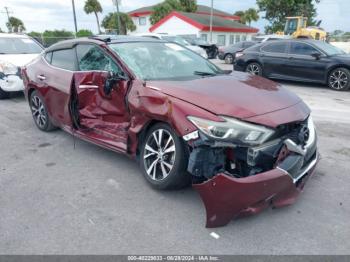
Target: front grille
[291,131]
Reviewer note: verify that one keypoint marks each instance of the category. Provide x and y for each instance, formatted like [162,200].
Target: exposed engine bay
[290,149]
[235,181]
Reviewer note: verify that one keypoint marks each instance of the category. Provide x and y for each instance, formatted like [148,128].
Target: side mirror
[111,81]
[316,55]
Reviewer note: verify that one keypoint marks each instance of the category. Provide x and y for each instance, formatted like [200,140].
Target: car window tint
[248,44]
[64,59]
[301,49]
[92,58]
[48,57]
[276,47]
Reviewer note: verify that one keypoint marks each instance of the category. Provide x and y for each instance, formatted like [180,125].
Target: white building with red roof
[225,27]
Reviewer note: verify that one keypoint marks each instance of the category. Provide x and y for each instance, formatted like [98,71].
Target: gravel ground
[57,198]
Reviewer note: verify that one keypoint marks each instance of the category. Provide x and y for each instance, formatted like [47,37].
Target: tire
[254,69]
[39,113]
[164,170]
[4,94]
[339,79]
[229,59]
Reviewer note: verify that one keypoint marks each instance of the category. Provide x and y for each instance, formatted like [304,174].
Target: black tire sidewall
[178,176]
[4,94]
[346,71]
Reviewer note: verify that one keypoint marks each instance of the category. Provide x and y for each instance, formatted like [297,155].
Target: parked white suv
[179,40]
[15,51]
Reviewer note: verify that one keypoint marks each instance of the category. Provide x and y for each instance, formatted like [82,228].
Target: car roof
[104,39]
[13,35]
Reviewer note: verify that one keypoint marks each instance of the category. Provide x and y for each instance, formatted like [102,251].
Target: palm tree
[15,24]
[251,15]
[93,6]
[241,15]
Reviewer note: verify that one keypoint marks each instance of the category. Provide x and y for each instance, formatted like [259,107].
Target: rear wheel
[39,112]
[4,94]
[339,79]
[254,69]
[229,59]
[164,158]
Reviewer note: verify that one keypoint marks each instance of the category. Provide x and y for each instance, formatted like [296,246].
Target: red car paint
[116,122]
[222,196]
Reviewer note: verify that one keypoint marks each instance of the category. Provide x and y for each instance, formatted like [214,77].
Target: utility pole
[117,3]
[211,21]
[75,19]
[7,12]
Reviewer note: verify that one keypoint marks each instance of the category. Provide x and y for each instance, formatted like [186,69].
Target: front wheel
[339,79]
[229,59]
[164,158]
[4,94]
[254,69]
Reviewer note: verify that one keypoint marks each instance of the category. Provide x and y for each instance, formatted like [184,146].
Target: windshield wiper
[200,73]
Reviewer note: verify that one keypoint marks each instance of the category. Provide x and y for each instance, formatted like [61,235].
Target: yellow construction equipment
[296,26]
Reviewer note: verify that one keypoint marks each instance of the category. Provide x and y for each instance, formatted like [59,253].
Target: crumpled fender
[226,197]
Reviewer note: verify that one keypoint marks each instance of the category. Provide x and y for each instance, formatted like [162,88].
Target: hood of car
[18,59]
[238,95]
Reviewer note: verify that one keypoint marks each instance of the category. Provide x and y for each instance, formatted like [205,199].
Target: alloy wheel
[159,154]
[338,80]
[253,69]
[39,111]
[229,59]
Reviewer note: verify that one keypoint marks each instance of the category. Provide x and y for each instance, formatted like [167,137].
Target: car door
[55,73]
[303,64]
[100,112]
[273,56]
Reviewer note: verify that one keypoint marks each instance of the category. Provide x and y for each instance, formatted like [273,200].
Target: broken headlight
[233,130]
[7,68]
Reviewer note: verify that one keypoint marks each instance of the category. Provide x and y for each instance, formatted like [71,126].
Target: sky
[39,15]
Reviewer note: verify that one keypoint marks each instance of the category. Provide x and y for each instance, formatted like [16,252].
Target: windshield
[164,61]
[19,46]
[329,49]
[176,39]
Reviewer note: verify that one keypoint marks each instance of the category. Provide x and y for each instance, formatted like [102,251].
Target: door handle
[88,87]
[41,77]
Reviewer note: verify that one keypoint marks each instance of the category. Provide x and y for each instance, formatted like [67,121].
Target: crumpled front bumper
[226,197]
[11,83]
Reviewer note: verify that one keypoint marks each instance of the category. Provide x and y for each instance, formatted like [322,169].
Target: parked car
[181,118]
[179,40]
[228,53]
[15,51]
[298,60]
[211,49]
[272,37]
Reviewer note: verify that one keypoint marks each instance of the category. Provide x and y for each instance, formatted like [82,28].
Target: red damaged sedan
[243,141]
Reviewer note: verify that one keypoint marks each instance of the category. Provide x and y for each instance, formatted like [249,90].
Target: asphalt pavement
[64,196]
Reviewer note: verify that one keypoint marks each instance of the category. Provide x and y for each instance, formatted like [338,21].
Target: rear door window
[302,49]
[275,47]
[92,58]
[64,59]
